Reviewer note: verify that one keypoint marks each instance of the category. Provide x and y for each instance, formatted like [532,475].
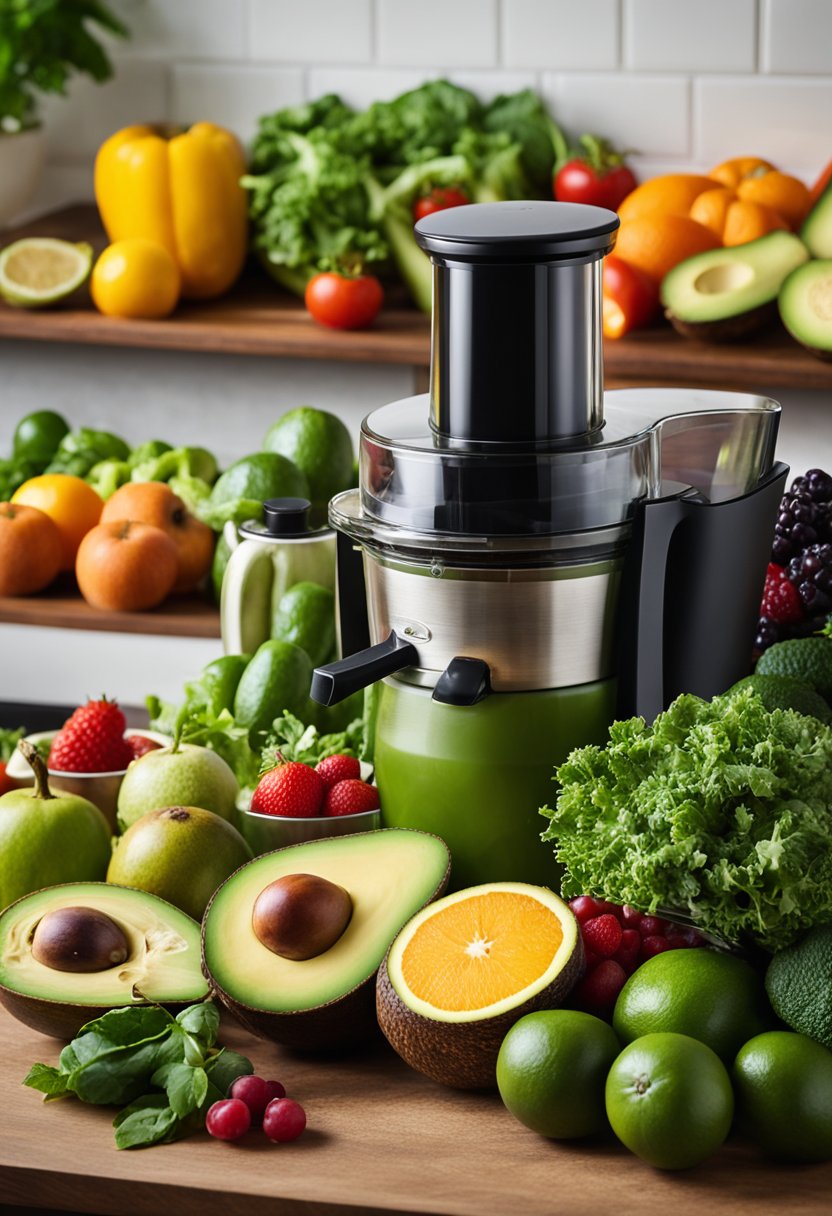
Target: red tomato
[344,303]
[630,297]
[578,182]
[439,199]
[6,783]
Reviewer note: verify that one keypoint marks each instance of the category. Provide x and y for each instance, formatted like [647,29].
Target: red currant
[256,1093]
[228,1120]
[284,1120]
[653,945]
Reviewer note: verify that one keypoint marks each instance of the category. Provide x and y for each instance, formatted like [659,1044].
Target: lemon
[783,1083]
[136,278]
[551,1072]
[669,1100]
[42,270]
[709,995]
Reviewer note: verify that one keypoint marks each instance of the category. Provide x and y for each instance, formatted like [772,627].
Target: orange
[656,243]
[733,220]
[126,567]
[786,195]
[670,194]
[135,278]
[30,549]
[154,502]
[69,502]
[669,1099]
[731,172]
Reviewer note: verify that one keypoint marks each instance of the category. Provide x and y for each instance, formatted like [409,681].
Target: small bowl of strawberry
[294,802]
[90,754]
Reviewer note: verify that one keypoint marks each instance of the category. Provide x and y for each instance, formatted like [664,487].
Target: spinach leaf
[202,1021]
[47,1080]
[224,1068]
[149,1120]
[186,1087]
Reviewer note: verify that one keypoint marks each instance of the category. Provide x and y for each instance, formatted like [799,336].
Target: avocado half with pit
[805,304]
[292,941]
[724,294]
[466,968]
[71,952]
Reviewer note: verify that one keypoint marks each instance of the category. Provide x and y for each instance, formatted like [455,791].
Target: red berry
[333,769]
[274,1090]
[292,789]
[651,946]
[256,1093]
[284,1120]
[652,926]
[597,992]
[603,934]
[140,745]
[627,953]
[584,907]
[92,741]
[591,960]
[681,937]
[631,917]
[351,798]
[781,599]
[228,1120]
[605,908]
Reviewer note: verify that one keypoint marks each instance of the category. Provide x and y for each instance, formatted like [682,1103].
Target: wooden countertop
[259,318]
[381,1140]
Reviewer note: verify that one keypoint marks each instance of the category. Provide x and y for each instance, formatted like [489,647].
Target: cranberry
[228,1120]
[654,945]
[584,907]
[256,1093]
[284,1120]
[631,917]
[628,951]
[652,926]
[597,992]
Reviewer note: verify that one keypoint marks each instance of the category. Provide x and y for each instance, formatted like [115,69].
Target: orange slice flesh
[481,950]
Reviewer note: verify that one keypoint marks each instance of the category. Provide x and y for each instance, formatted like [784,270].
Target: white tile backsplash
[317,31]
[77,125]
[437,33]
[647,114]
[182,29]
[235,97]
[785,120]
[708,36]
[796,36]
[561,34]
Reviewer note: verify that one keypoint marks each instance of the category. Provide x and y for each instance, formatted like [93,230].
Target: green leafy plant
[42,43]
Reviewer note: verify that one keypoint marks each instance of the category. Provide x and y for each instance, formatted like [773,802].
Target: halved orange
[466,967]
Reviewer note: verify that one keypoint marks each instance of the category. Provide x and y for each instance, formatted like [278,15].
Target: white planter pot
[21,162]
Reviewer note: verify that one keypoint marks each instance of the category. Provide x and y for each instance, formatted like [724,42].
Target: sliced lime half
[42,270]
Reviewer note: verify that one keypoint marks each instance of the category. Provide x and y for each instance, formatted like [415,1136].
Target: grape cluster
[798,592]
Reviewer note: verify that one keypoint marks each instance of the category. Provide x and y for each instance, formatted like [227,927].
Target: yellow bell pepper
[184,193]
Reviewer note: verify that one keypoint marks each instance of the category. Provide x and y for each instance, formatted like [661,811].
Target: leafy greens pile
[165,1071]
[333,188]
[721,810]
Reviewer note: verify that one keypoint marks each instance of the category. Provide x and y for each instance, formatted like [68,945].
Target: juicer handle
[336,681]
[691,593]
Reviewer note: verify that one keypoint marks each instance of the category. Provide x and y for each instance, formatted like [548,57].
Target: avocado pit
[300,916]
[79,939]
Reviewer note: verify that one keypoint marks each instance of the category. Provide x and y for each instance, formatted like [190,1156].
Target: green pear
[183,775]
[47,839]
[180,853]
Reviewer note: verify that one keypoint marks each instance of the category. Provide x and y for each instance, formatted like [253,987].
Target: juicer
[526,558]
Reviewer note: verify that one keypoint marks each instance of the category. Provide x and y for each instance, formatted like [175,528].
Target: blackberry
[811,573]
[805,516]
[768,632]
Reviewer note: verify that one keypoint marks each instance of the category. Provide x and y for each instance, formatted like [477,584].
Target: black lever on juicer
[336,681]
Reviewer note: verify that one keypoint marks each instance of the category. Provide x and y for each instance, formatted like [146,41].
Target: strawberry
[91,740]
[291,788]
[338,768]
[602,934]
[351,797]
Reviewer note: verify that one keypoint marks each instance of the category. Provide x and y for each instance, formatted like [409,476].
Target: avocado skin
[799,985]
[731,329]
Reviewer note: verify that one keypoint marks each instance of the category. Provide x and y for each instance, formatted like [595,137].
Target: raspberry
[333,769]
[92,741]
[292,789]
[653,945]
[597,992]
[781,601]
[603,934]
[628,952]
[351,797]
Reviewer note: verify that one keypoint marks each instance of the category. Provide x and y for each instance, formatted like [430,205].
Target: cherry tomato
[579,182]
[439,199]
[344,303]
[630,297]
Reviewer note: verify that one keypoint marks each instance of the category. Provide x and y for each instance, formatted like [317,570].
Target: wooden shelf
[61,607]
[259,318]
[381,1140]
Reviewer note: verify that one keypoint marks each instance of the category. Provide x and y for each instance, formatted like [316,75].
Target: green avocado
[805,303]
[47,989]
[799,985]
[326,1000]
[785,692]
[806,659]
[816,232]
[724,294]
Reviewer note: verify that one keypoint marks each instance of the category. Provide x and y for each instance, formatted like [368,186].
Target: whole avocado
[799,985]
[806,659]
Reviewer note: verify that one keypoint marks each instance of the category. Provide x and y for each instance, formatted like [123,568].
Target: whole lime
[36,437]
[189,776]
[319,444]
[707,994]
[551,1071]
[783,1083]
[276,679]
[305,616]
[180,853]
[669,1100]
[258,477]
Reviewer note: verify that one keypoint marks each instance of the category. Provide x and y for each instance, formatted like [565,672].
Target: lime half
[42,270]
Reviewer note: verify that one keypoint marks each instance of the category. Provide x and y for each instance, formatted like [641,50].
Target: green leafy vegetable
[295,741]
[166,1070]
[82,449]
[187,462]
[8,743]
[722,810]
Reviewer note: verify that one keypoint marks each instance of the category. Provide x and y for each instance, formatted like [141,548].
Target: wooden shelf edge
[185,618]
